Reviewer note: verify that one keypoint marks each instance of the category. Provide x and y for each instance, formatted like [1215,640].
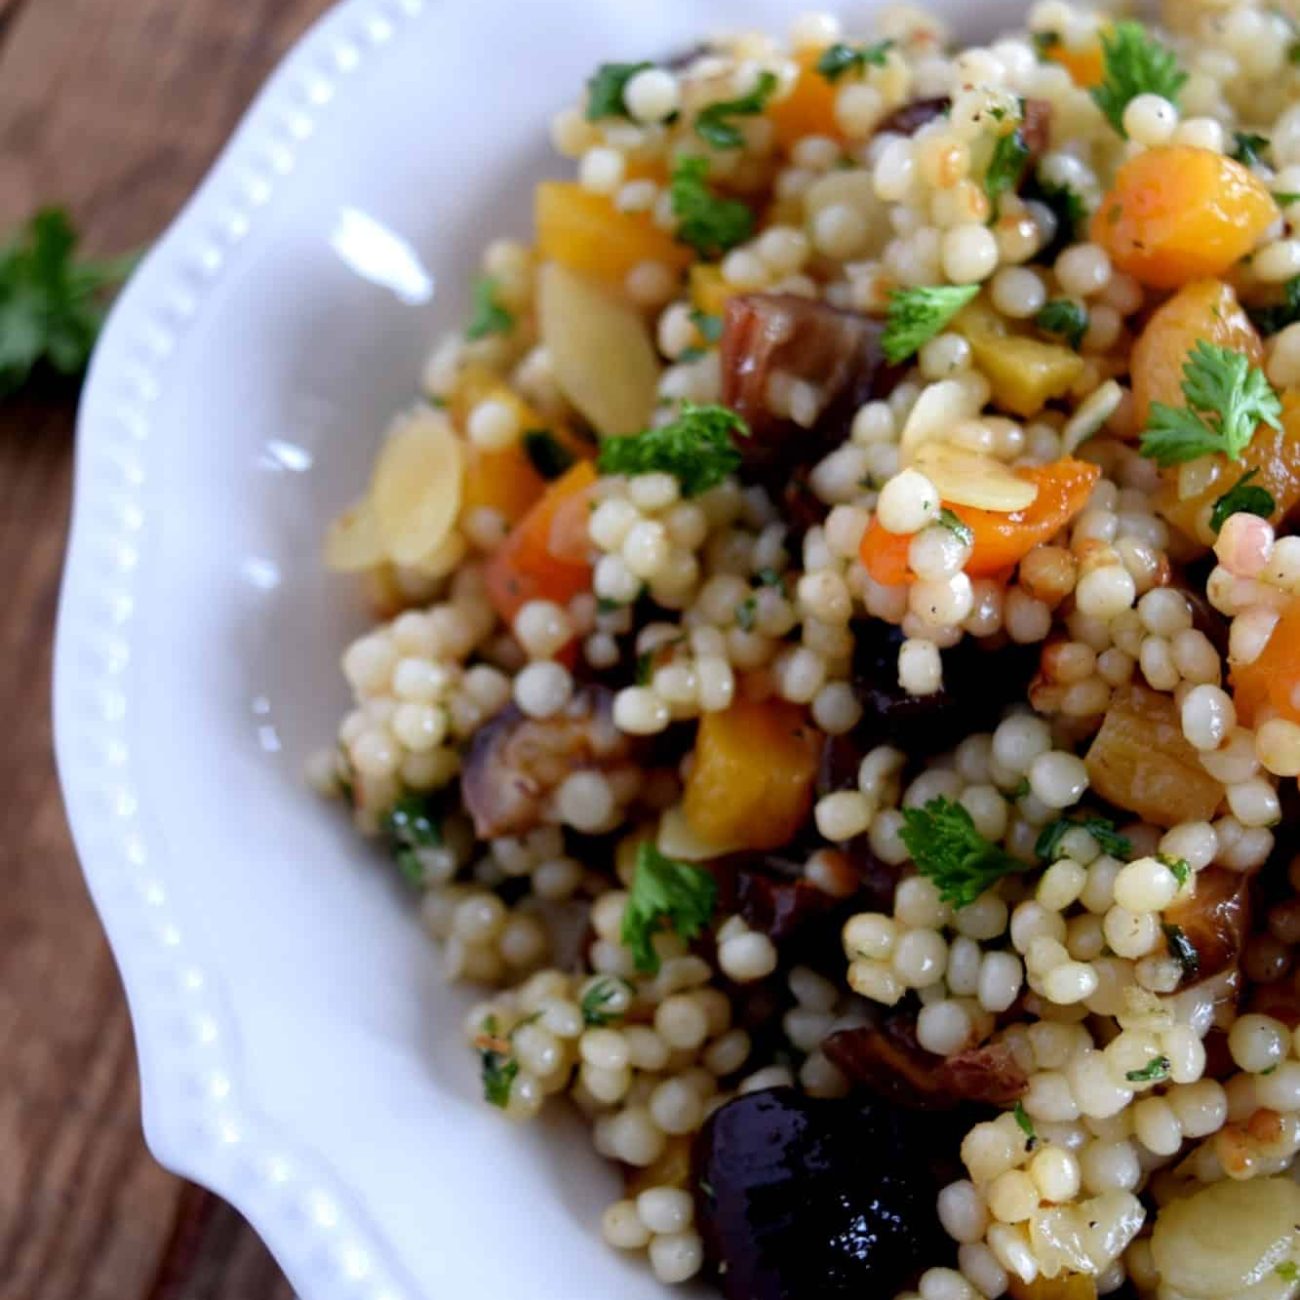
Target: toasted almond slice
[601,353]
[940,407]
[417,485]
[353,544]
[969,478]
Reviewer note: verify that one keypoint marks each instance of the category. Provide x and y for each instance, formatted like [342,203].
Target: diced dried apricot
[586,232]
[1086,65]
[1177,213]
[1204,309]
[1272,681]
[1025,373]
[809,108]
[751,785]
[884,554]
[1141,761]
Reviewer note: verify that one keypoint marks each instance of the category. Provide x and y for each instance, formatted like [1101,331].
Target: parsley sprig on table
[665,891]
[1243,497]
[1227,400]
[946,847]
[51,305]
[714,122]
[915,316]
[696,448]
[838,59]
[1135,64]
[707,222]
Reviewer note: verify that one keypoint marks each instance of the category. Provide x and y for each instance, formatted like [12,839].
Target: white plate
[298,1050]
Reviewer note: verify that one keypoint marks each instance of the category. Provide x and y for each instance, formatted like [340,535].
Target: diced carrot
[1086,65]
[1177,213]
[1001,540]
[809,108]
[545,556]
[1271,682]
[751,786]
[586,232]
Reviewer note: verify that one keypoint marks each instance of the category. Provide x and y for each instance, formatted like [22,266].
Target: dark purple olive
[804,1199]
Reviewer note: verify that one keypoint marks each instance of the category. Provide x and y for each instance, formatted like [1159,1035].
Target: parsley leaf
[1066,205]
[1274,319]
[1243,498]
[497,1064]
[709,224]
[605,89]
[1065,317]
[1135,64]
[946,847]
[665,890]
[1155,1071]
[1285,198]
[487,316]
[839,58]
[747,614]
[770,578]
[1227,400]
[1180,867]
[1006,167]
[411,826]
[696,448]
[1288,1270]
[1102,829]
[957,526]
[915,316]
[599,996]
[1026,1126]
[1250,148]
[645,668]
[549,456]
[709,327]
[1182,950]
[51,306]
[714,125]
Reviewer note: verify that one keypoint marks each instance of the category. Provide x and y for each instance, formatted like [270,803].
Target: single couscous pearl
[652,95]
[1150,120]
[907,502]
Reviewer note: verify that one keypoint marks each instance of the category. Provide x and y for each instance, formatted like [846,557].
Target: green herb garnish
[51,306]
[596,1001]
[1135,64]
[1275,318]
[645,668]
[1006,167]
[696,448]
[1064,317]
[498,1066]
[709,327]
[1288,1270]
[549,456]
[1249,148]
[1182,950]
[1227,400]
[411,826]
[946,847]
[838,59]
[1155,1071]
[915,316]
[709,224]
[957,526]
[1102,829]
[769,578]
[1026,1126]
[665,891]
[487,315]
[1242,498]
[606,87]
[747,614]
[714,122]
[1180,867]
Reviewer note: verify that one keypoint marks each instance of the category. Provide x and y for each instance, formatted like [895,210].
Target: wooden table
[114,108]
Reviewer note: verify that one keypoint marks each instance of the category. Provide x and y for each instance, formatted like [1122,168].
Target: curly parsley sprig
[915,316]
[665,892]
[946,847]
[696,448]
[714,122]
[709,223]
[1135,64]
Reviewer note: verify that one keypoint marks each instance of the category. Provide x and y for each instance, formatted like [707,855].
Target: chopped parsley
[769,578]
[1288,1270]
[665,891]
[1026,1126]
[1179,867]
[51,305]
[1249,148]
[1243,498]
[709,327]
[1064,317]
[487,315]
[946,847]
[915,316]
[598,997]
[1135,63]
[838,59]
[549,457]
[1227,400]
[747,614]
[606,605]
[696,448]
[1285,198]
[1156,1070]
[1006,167]
[957,526]
[714,122]
[645,668]
[1102,829]
[606,87]
[1275,318]
[496,1062]
[1045,43]
[1182,950]
[1066,205]
[708,223]
[411,826]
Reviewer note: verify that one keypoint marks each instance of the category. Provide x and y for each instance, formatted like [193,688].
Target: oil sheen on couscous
[838,685]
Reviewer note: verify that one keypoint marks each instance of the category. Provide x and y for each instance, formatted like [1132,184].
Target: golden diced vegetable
[709,291]
[1141,761]
[1069,1286]
[1025,373]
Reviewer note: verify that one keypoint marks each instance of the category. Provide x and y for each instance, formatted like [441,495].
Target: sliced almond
[940,407]
[601,352]
[353,543]
[970,478]
[417,485]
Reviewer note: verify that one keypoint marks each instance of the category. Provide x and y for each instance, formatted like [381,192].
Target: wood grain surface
[113,108]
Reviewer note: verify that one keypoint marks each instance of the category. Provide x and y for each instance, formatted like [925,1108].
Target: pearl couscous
[839,681]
